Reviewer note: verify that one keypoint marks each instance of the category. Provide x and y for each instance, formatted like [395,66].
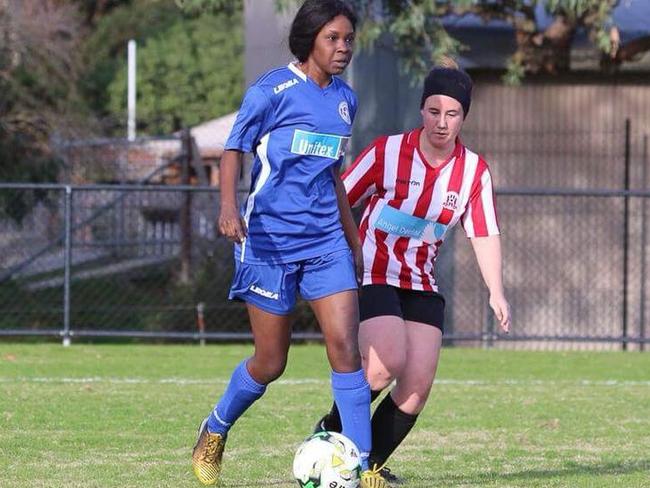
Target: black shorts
[427,307]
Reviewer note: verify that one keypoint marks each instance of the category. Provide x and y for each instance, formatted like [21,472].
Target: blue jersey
[298,132]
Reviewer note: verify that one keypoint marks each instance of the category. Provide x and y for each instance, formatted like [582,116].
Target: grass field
[125,416]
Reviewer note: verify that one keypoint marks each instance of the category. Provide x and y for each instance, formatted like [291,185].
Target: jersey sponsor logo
[344,112]
[283,86]
[265,293]
[408,182]
[451,202]
[396,222]
[315,144]
[399,223]
[437,232]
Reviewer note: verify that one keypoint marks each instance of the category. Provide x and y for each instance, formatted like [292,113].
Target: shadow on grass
[570,469]
[524,477]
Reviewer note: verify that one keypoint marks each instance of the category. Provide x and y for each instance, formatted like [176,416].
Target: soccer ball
[327,460]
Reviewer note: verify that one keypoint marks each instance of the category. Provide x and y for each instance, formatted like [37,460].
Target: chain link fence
[571,274]
[145,261]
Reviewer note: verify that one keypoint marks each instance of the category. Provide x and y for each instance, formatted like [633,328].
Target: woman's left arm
[349,225]
[488,254]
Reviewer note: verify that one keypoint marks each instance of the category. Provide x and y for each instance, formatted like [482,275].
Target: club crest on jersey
[451,202]
[344,112]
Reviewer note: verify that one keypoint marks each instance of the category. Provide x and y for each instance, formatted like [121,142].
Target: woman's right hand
[231,223]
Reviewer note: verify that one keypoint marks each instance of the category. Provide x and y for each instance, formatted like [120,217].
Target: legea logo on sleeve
[314,144]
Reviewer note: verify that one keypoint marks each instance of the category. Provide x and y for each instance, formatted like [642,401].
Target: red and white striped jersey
[411,206]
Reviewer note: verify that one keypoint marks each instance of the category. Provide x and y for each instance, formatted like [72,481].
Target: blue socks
[241,393]
[352,396]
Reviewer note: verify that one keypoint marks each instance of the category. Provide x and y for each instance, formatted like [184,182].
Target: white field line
[312,381]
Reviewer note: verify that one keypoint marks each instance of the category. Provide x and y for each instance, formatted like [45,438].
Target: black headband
[452,82]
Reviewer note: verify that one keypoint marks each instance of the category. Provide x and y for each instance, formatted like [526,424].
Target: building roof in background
[211,136]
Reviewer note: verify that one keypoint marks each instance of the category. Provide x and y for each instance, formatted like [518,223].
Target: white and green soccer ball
[327,460]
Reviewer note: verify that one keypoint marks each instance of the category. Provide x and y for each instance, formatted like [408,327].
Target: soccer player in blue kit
[295,232]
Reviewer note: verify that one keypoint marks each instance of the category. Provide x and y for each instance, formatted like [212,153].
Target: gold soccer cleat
[206,456]
[372,478]
[389,476]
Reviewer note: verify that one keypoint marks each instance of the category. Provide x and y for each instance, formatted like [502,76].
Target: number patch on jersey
[314,144]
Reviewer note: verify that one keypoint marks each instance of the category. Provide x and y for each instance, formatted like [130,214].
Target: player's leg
[272,336]
[349,386]
[329,284]
[382,341]
[337,316]
[396,415]
[271,329]
[383,344]
[331,421]
[270,293]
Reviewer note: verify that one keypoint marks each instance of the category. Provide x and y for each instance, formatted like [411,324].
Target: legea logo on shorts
[315,144]
[265,293]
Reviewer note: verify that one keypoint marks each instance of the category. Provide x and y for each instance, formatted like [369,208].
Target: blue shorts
[273,287]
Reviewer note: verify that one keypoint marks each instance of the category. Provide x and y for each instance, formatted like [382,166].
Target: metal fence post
[200,321]
[186,211]
[626,231]
[67,254]
[644,260]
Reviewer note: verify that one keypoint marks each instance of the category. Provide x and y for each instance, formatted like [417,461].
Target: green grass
[125,416]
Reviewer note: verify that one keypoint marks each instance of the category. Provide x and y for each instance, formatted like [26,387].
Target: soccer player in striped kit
[295,231]
[416,186]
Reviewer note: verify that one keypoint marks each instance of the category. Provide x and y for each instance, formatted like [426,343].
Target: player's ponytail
[446,62]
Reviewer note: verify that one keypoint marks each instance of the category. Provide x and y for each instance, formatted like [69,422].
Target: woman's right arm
[231,224]
[360,179]
[254,118]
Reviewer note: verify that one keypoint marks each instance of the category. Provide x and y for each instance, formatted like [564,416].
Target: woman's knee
[411,397]
[378,379]
[382,369]
[343,354]
[267,369]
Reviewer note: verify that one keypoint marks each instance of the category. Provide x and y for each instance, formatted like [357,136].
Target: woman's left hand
[501,310]
[358,264]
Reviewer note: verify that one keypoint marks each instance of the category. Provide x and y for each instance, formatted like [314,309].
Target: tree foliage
[420,38]
[104,50]
[190,65]
[93,10]
[38,96]
[214,6]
